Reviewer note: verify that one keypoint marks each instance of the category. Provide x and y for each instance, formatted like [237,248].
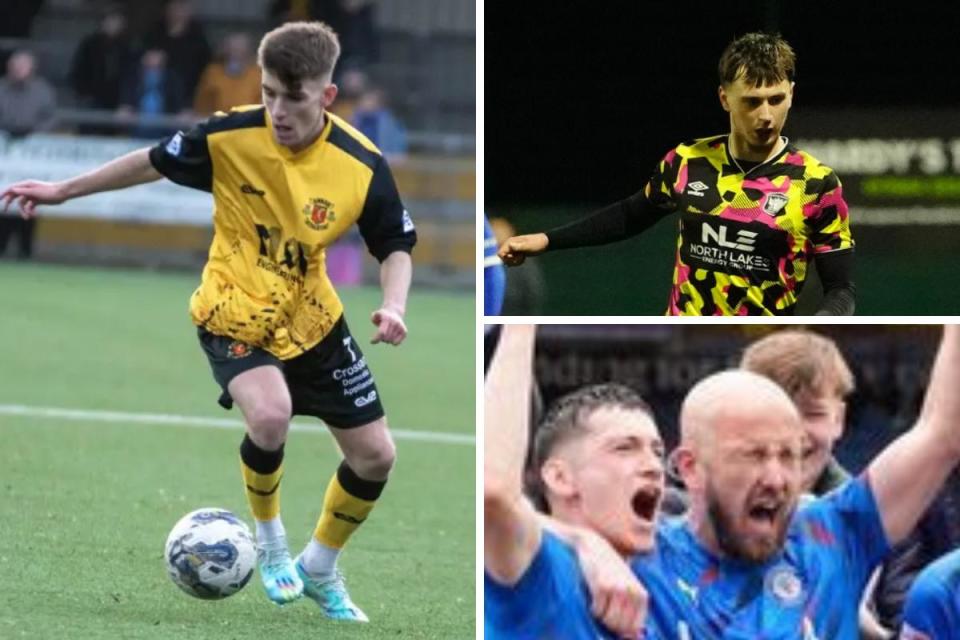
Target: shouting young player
[754,210]
[598,459]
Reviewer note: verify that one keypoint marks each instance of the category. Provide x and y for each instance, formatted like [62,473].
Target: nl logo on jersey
[173,147]
[774,203]
[696,189]
[407,222]
[318,214]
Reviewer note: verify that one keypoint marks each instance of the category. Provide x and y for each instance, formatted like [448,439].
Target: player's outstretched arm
[515,249]
[619,221]
[125,171]
[907,475]
[395,274]
[511,531]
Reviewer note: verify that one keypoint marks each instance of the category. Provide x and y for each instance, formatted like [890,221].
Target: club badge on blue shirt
[785,585]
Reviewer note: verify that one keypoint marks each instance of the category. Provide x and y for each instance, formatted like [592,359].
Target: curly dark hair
[759,58]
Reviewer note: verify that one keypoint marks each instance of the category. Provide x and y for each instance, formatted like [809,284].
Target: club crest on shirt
[318,214]
[238,350]
[785,585]
[774,203]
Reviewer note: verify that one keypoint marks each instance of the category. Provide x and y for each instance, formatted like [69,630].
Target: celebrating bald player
[747,562]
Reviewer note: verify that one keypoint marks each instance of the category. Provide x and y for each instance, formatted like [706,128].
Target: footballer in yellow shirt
[288,178]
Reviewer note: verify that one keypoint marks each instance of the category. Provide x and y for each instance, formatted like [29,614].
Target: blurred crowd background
[890,364]
[585,103]
[86,80]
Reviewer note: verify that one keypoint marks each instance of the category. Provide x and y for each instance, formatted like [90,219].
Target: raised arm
[511,530]
[907,475]
[125,171]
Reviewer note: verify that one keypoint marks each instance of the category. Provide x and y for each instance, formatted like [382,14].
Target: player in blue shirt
[494,278]
[747,563]
[932,610]
[600,460]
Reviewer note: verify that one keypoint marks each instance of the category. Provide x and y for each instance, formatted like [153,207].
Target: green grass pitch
[86,505]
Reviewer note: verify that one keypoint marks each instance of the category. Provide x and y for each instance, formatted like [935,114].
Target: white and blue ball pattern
[210,553]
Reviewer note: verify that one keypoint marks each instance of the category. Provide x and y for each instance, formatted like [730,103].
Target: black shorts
[330,381]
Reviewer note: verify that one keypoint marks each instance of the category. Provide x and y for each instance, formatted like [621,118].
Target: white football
[210,553]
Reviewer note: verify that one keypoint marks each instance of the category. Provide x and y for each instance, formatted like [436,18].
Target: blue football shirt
[494,278]
[810,590]
[549,602]
[932,610]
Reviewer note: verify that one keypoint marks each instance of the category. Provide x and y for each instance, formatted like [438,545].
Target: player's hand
[28,194]
[516,249]
[619,599]
[390,326]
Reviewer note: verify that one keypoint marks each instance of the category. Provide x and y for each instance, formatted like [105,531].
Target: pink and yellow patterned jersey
[746,238]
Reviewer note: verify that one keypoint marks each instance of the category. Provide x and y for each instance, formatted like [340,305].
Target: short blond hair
[800,361]
[299,51]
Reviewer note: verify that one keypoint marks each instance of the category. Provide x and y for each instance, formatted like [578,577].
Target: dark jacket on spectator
[187,54]
[98,69]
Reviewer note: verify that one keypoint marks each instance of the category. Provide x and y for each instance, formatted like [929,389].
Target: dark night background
[583,98]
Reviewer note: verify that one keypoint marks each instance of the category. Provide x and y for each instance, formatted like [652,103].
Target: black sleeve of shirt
[384,224]
[618,221]
[836,273]
[184,158]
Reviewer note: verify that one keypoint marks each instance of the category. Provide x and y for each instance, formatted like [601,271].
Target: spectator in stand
[233,80]
[353,20]
[352,84]
[375,120]
[292,11]
[18,17]
[153,89]
[99,65]
[17,21]
[27,104]
[27,101]
[23,228]
[183,40]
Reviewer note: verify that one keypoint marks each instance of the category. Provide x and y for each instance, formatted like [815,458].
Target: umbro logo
[250,190]
[696,188]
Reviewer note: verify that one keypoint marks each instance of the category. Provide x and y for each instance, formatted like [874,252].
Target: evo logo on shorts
[363,401]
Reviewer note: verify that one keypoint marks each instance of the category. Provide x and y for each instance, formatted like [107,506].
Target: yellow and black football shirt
[275,212]
[746,237]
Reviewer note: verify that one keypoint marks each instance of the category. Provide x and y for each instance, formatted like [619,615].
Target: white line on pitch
[210,423]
